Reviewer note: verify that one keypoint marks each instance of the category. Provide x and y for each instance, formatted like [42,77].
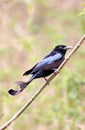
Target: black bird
[44,68]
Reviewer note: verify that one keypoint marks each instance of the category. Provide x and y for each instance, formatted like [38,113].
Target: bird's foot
[46,81]
[56,71]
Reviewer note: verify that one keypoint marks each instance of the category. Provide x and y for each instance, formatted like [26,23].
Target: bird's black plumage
[44,68]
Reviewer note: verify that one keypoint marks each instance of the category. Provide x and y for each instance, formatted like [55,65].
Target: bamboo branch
[3,127]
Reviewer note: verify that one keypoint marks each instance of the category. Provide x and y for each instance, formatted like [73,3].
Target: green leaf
[81,13]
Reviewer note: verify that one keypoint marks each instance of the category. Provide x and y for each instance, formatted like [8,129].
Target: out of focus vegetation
[83,12]
[29,29]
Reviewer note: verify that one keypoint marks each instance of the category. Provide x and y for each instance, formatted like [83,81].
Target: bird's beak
[68,47]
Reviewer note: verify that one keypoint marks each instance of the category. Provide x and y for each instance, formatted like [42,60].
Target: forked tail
[22,86]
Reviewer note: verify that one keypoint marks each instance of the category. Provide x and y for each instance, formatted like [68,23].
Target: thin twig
[3,127]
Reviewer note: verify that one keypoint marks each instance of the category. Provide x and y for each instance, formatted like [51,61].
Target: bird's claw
[56,71]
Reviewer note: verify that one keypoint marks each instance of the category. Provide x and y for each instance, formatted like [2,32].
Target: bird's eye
[60,47]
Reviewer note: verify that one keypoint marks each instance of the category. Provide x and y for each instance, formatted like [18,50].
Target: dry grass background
[28,31]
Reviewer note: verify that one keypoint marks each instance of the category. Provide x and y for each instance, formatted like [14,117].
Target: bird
[44,68]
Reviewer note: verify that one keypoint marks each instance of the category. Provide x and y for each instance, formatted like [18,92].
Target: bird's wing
[33,68]
[29,71]
[47,61]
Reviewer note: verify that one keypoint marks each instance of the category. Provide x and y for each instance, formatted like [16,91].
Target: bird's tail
[22,86]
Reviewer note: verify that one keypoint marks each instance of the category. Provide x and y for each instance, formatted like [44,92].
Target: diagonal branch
[3,127]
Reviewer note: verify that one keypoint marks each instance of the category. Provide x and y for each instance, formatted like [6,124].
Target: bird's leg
[46,80]
[56,71]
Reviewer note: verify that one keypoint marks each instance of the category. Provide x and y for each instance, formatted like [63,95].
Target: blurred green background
[29,29]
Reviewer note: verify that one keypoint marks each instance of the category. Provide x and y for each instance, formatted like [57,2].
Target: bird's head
[62,48]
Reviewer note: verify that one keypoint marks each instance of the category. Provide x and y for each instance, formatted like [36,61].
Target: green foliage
[83,12]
